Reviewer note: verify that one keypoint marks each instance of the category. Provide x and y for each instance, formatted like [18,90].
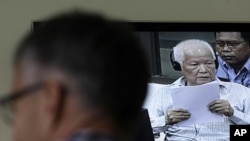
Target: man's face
[232,47]
[198,66]
[26,109]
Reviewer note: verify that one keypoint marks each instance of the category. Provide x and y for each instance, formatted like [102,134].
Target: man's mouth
[228,57]
[203,77]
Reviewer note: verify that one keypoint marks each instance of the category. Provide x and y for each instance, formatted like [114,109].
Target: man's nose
[202,68]
[226,47]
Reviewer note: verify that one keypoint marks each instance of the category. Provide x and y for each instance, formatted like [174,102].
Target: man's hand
[221,106]
[177,115]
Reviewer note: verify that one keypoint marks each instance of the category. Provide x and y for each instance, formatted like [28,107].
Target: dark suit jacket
[88,136]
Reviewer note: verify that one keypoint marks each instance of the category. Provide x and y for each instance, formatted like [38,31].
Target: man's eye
[193,64]
[220,43]
[233,43]
[209,64]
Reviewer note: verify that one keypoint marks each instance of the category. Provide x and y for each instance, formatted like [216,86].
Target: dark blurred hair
[104,55]
[244,35]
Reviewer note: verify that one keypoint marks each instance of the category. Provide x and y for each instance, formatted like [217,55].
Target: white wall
[16,18]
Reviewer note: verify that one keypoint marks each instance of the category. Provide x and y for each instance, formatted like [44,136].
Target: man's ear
[53,100]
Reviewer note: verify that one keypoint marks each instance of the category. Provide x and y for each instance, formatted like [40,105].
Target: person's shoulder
[161,90]
[236,90]
[231,84]
[235,85]
[159,85]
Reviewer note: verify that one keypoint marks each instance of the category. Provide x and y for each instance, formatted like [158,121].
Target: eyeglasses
[230,44]
[7,101]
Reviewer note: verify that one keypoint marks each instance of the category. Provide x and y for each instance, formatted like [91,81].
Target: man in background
[196,59]
[234,51]
[78,77]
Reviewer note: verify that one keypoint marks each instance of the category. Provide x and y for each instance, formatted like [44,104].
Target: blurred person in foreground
[234,52]
[197,62]
[78,77]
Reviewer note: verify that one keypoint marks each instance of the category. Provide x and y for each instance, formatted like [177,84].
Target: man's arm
[239,113]
[242,115]
[161,110]
[156,112]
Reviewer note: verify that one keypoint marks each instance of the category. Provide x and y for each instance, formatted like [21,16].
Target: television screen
[158,40]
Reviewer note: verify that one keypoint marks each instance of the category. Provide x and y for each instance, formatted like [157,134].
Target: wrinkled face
[198,66]
[27,121]
[232,47]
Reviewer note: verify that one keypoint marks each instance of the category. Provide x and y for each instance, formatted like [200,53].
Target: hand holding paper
[196,99]
[177,115]
[221,106]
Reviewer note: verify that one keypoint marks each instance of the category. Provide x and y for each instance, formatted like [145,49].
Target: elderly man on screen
[198,66]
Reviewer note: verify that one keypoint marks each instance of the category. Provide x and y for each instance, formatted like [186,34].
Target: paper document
[195,99]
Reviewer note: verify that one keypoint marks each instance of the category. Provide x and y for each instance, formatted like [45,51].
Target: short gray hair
[179,48]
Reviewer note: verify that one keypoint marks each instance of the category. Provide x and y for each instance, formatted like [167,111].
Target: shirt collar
[181,82]
[246,65]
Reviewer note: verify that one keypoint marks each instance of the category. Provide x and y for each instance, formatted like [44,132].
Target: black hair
[105,56]
[244,35]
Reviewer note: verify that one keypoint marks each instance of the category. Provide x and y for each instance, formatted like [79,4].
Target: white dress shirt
[237,95]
